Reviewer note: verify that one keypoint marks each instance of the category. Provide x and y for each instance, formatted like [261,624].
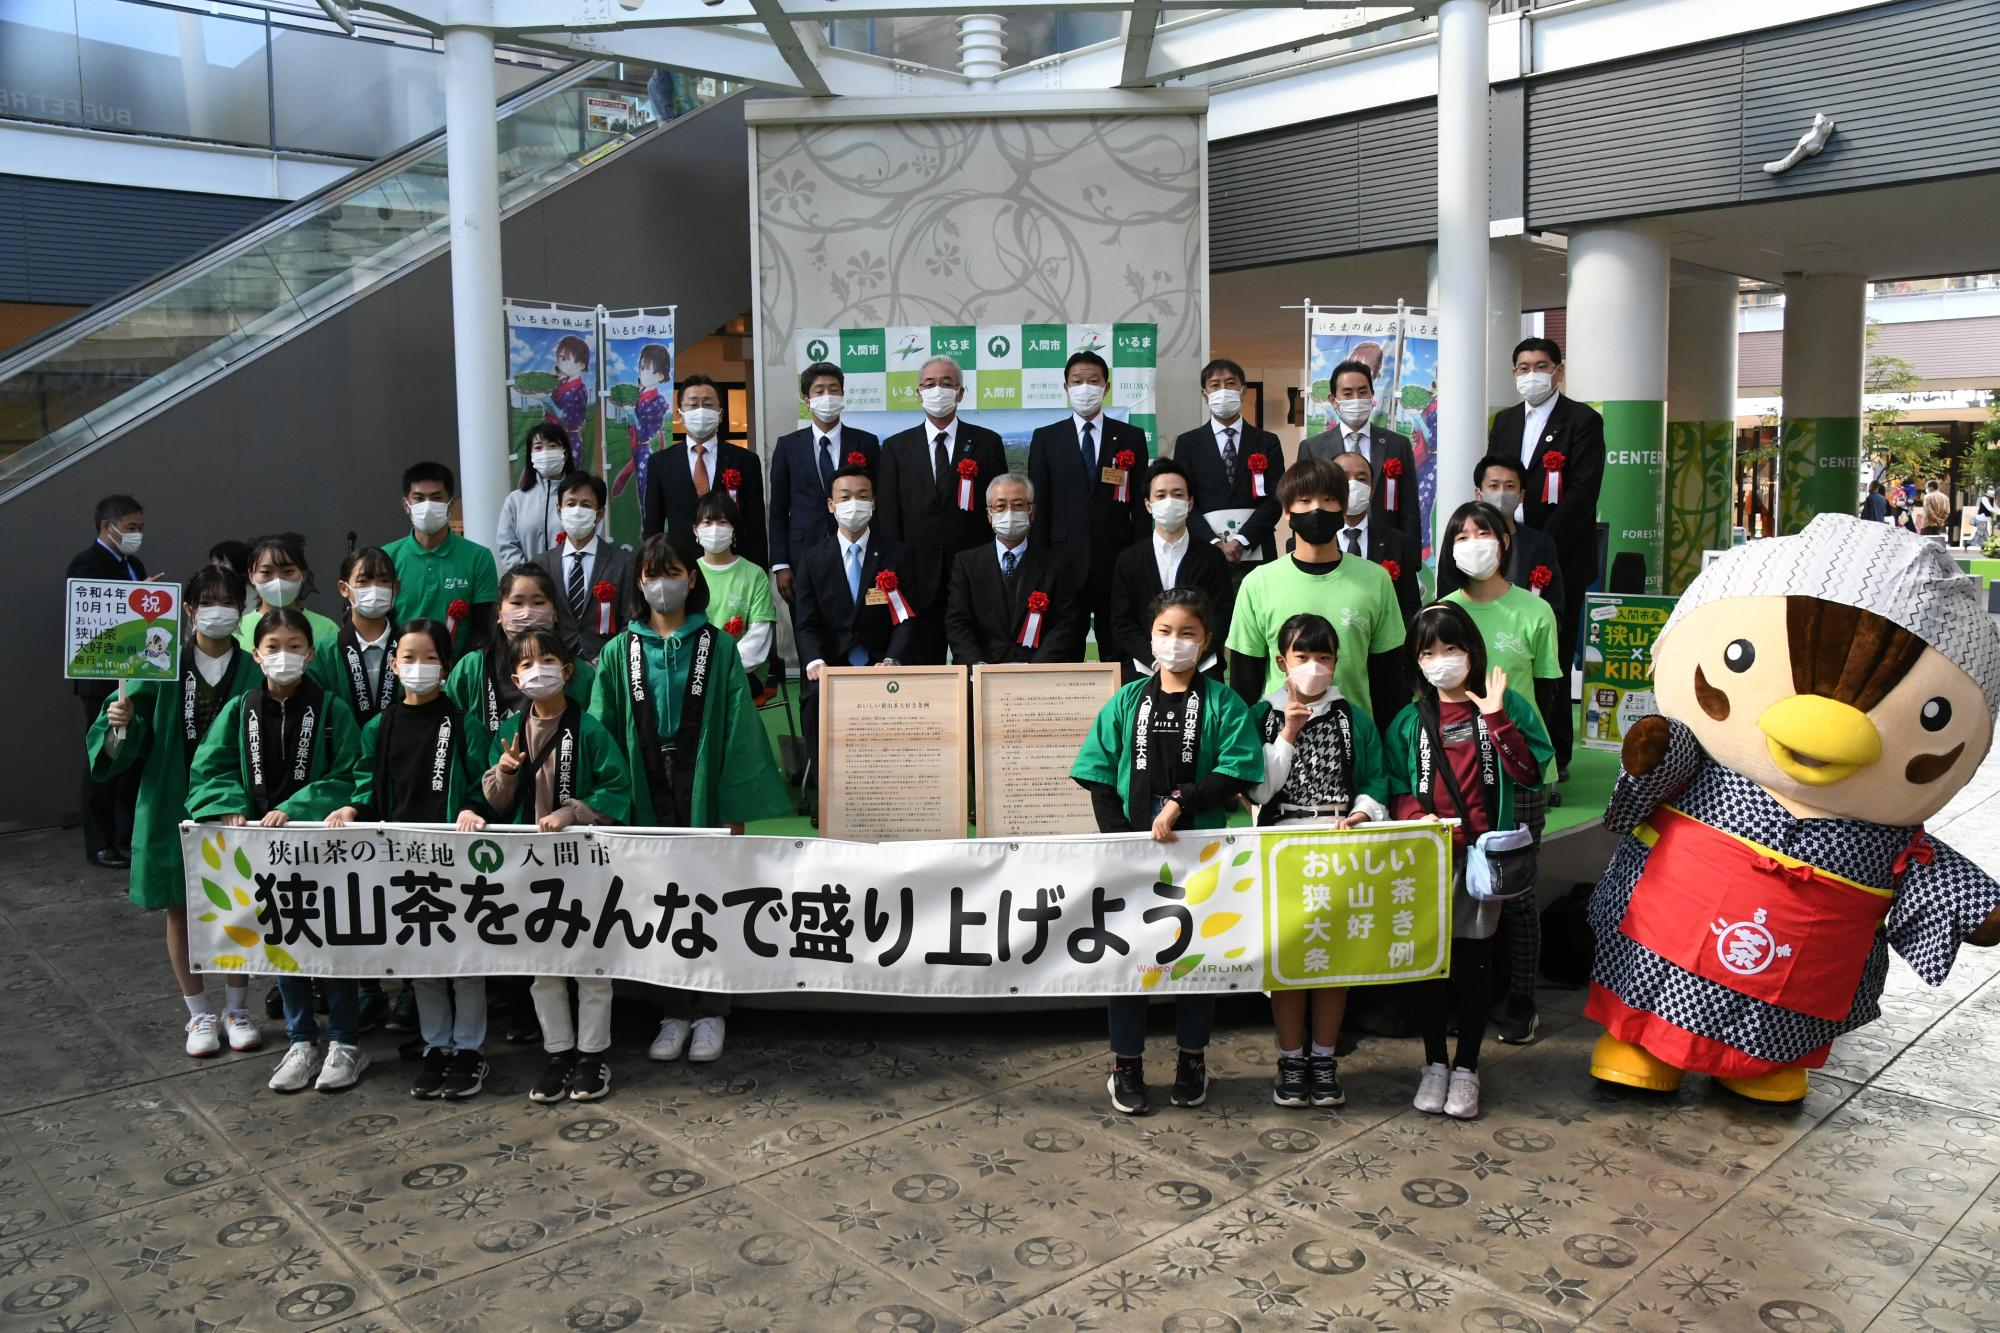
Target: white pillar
[1431,286]
[1819,459]
[472,174]
[1462,251]
[1503,320]
[1701,423]
[982,45]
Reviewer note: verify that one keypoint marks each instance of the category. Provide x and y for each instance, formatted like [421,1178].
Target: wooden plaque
[892,761]
[1028,721]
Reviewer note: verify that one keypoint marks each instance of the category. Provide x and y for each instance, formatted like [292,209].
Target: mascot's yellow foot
[1780,1085]
[1616,1061]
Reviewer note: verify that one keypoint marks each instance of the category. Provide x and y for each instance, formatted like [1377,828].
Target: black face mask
[1316,527]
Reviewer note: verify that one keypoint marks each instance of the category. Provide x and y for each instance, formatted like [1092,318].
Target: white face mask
[429,516]
[283,668]
[549,462]
[665,595]
[578,522]
[279,592]
[715,538]
[216,622]
[520,619]
[1535,387]
[543,680]
[1359,497]
[853,515]
[375,602]
[1446,673]
[130,542]
[1225,404]
[420,677]
[700,421]
[1086,398]
[1354,412]
[1169,514]
[1476,557]
[826,408]
[1309,679]
[1011,525]
[939,401]
[1175,654]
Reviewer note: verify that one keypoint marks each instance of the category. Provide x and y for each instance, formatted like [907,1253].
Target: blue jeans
[1194,1015]
[343,1009]
[451,1014]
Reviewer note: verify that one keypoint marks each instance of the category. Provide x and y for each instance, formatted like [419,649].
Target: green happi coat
[466,688]
[156,741]
[220,783]
[602,780]
[375,787]
[736,775]
[1228,744]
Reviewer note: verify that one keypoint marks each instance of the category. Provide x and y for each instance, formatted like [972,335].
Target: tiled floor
[889,1173]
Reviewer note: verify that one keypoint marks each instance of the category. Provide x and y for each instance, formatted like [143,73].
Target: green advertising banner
[1635,445]
[1619,633]
[1819,469]
[1701,458]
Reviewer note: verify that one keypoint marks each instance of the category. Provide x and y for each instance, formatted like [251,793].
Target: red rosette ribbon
[1552,468]
[968,472]
[885,583]
[1125,461]
[732,481]
[1391,470]
[733,627]
[857,459]
[1257,465]
[454,616]
[1539,578]
[1393,569]
[1031,624]
[606,594]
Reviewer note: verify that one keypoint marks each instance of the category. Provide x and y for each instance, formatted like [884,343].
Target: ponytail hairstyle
[1190,600]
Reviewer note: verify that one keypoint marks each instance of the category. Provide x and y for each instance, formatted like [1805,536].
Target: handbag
[1500,863]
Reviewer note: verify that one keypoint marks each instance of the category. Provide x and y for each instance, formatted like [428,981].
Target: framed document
[1028,721]
[892,762]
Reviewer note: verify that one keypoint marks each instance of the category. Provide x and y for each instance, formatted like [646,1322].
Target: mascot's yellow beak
[1819,741]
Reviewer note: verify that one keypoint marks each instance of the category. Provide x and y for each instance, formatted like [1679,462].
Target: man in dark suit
[1498,481]
[580,562]
[1167,557]
[991,613]
[840,616]
[1375,538]
[678,476]
[1560,443]
[1388,454]
[1232,465]
[932,493]
[107,806]
[1089,507]
[802,468]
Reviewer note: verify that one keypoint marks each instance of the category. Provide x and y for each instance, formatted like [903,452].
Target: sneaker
[1462,1101]
[240,1026]
[204,1035]
[592,1079]
[706,1042]
[1190,1080]
[1516,1020]
[1290,1088]
[1431,1089]
[402,1012]
[343,1067]
[553,1085]
[274,1004]
[430,1082]
[1127,1085]
[466,1076]
[296,1070]
[673,1039]
[374,1008]
[1323,1072]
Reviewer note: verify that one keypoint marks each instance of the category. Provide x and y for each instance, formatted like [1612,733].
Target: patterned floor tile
[1978,1231]
[47,1281]
[1951,1293]
[117,1150]
[1947,1073]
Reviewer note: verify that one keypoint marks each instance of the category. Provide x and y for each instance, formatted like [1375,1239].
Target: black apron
[279,767]
[437,778]
[670,767]
[1155,777]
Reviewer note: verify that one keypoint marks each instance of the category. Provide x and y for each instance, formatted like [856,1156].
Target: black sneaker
[374,1008]
[430,1082]
[1291,1088]
[1190,1080]
[402,1011]
[1127,1085]
[465,1076]
[592,1078]
[1323,1073]
[274,1004]
[553,1085]
[1517,1020]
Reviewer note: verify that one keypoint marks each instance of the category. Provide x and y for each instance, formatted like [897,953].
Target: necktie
[941,457]
[1009,562]
[854,574]
[1354,541]
[700,469]
[1229,453]
[1089,448]
[576,589]
[826,464]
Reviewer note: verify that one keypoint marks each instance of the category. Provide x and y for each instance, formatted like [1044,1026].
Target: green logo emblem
[894,686]
[485,856]
[816,350]
[998,345]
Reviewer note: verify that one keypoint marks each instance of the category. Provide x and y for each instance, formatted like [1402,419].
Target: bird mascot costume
[1820,697]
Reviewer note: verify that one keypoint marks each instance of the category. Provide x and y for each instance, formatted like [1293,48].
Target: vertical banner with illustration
[1400,347]
[1700,456]
[1013,373]
[637,407]
[1619,633]
[552,369]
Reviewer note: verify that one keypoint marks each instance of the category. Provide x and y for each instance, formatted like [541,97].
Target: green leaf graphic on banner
[242,864]
[1186,965]
[1242,858]
[215,894]
[1166,873]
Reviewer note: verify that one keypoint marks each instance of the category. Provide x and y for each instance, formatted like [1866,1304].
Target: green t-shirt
[457,571]
[1520,633]
[740,589]
[325,633]
[1356,595]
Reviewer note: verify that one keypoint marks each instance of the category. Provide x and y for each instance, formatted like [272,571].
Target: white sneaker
[244,1034]
[203,1038]
[343,1067]
[1462,1102]
[1430,1096]
[673,1039]
[706,1044]
[296,1070]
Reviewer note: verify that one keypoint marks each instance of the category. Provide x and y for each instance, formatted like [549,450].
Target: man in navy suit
[1386,452]
[107,806]
[802,468]
[676,477]
[1232,465]
[1087,473]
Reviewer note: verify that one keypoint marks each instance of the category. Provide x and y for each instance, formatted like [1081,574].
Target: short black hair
[1222,363]
[1487,518]
[1192,600]
[815,371]
[1549,345]
[1164,466]
[695,381]
[1351,368]
[1086,359]
[1443,622]
[851,470]
[534,643]
[231,555]
[366,562]
[716,506]
[430,471]
[116,509]
[291,548]
[440,636]
[213,581]
[285,617]
[582,481]
[1308,632]
[1485,465]
[1312,479]
[655,553]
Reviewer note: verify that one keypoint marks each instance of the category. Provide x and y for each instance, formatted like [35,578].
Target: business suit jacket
[825,620]
[1078,515]
[614,566]
[1575,431]
[94,562]
[799,515]
[1198,452]
[1135,582]
[983,617]
[920,513]
[1383,445]
[1383,543]
[670,497]
[1530,551]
